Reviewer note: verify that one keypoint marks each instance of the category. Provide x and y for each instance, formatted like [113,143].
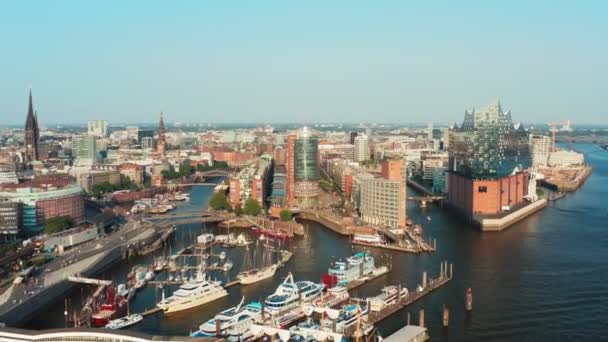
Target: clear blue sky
[282,61]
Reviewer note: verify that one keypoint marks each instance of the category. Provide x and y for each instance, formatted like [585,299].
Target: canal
[544,278]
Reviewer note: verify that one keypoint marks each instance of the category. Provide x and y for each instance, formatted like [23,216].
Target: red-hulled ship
[272,233]
[112,307]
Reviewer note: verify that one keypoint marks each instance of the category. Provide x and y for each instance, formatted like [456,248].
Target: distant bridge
[216,173]
[426,198]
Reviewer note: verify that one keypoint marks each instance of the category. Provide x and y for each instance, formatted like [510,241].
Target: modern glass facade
[306,168]
[488,145]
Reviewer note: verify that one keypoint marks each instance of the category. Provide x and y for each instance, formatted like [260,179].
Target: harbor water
[544,278]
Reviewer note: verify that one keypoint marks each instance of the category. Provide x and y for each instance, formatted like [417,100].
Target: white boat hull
[189,304]
[263,273]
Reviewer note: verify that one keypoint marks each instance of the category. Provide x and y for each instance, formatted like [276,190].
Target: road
[74,260]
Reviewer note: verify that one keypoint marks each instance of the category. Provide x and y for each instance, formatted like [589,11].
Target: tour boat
[192,294]
[354,267]
[369,239]
[230,322]
[332,297]
[290,294]
[124,321]
[388,296]
[348,316]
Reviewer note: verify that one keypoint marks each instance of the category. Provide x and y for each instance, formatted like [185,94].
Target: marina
[312,254]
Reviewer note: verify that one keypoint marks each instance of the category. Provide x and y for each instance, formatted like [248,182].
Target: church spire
[160,146]
[32,134]
[30,109]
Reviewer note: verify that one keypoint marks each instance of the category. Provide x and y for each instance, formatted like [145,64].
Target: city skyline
[229,63]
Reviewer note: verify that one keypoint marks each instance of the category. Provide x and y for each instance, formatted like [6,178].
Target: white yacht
[192,294]
[290,293]
[124,322]
[354,267]
[230,322]
[257,274]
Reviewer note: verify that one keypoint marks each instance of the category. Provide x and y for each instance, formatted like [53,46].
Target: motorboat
[124,321]
[227,265]
[205,239]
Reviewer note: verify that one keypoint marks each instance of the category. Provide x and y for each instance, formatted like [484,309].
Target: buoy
[469,300]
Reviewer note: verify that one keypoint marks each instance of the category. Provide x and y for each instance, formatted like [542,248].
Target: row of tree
[219,201]
[186,169]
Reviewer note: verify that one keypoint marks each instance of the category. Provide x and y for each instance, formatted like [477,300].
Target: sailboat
[253,275]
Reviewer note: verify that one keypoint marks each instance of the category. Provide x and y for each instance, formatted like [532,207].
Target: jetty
[428,285]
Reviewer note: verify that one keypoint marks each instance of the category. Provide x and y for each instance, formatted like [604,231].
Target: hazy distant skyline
[314,61]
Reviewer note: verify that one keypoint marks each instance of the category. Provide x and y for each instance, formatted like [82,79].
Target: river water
[545,278]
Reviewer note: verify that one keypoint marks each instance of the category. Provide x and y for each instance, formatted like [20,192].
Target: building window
[482,189]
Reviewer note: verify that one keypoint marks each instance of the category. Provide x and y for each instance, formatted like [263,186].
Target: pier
[428,285]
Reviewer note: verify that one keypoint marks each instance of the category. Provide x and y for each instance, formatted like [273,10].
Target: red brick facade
[487,196]
[72,206]
[290,166]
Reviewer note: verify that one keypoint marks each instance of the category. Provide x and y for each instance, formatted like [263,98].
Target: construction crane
[553,129]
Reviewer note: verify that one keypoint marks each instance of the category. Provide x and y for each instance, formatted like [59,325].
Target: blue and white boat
[353,268]
[230,322]
[348,316]
[289,294]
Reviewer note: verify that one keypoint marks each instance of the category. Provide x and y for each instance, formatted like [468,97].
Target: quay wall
[320,219]
[30,305]
[498,224]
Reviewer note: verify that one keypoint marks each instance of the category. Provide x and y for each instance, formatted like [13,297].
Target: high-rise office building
[353,135]
[361,148]
[98,128]
[32,133]
[429,131]
[306,169]
[84,147]
[539,150]
[290,168]
[383,202]
[488,159]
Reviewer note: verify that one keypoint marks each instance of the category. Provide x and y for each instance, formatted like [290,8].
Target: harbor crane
[553,129]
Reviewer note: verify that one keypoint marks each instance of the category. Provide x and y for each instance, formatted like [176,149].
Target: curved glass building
[306,169]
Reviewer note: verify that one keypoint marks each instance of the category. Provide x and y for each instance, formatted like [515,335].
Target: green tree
[217,165]
[285,215]
[252,207]
[238,211]
[219,201]
[57,224]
